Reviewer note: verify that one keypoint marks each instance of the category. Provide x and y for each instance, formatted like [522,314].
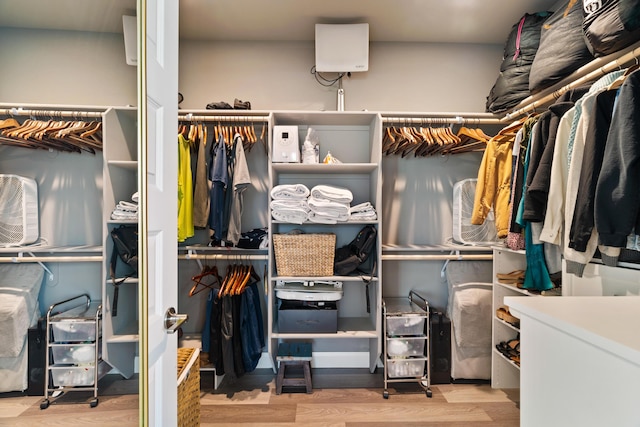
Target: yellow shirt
[185,190]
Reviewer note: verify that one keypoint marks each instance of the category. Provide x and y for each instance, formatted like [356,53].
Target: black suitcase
[37,353]
[440,347]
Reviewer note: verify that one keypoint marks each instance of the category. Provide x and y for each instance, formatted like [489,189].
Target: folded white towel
[278,204]
[363,212]
[290,191]
[321,218]
[332,193]
[329,208]
[293,216]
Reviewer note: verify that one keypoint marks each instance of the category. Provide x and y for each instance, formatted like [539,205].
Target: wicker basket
[188,387]
[304,254]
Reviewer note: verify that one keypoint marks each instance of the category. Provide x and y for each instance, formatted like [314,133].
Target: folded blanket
[288,191]
[294,216]
[331,193]
[321,218]
[289,204]
[328,208]
[363,212]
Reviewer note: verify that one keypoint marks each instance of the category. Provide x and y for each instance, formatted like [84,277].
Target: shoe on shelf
[515,277]
[503,313]
[241,105]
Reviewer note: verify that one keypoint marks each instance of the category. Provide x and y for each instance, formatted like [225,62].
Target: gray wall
[57,67]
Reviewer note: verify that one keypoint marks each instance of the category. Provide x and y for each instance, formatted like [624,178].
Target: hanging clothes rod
[233,119]
[441,120]
[50,113]
[632,54]
[432,257]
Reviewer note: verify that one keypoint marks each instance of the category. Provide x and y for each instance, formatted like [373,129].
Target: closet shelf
[348,327]
[436,253]
[124,164]
[329,225]
[324,168]
[358,279]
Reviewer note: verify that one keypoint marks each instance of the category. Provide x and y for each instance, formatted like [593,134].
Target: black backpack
[125,248]
[349,257]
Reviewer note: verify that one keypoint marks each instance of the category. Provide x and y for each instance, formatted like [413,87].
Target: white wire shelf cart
[73,361]
[406,342]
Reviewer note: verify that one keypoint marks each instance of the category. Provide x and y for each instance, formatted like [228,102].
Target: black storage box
[440,341]
[307,316]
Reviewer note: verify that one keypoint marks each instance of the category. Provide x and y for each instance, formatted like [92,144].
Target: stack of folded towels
[325,204]
[289,203]
[126,211]
[328,205]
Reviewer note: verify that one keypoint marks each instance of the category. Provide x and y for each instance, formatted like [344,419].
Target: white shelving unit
[504,372]
[120,171]
[354,139]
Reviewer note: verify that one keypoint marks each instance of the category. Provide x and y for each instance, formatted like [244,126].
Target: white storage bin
[405,347]
[405,368]
[74,354]
[74,331]
[398,326]
[68,376]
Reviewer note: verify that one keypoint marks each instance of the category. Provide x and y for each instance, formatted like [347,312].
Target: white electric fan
[463,231]
[18,210]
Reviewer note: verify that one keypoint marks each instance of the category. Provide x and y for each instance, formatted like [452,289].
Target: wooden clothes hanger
[199,285]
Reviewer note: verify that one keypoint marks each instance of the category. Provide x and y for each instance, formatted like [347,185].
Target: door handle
[173,320]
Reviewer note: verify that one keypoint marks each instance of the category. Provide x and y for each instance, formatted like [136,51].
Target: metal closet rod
[632,54]
[239,257]
[218,118]
[49,113]
[459,120]
[428,257]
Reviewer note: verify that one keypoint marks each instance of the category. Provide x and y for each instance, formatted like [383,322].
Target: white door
[158,77]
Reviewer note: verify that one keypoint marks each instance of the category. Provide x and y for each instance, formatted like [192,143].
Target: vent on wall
[18,210]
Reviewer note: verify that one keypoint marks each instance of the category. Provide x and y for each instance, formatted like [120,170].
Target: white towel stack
[126,211]
[329,204]
[324,204]
[289,203]
[363,212]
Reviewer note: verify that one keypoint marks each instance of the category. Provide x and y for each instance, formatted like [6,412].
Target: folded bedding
[290,191]
[332,193]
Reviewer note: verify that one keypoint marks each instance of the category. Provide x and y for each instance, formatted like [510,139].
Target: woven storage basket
[188,387]
[304,254]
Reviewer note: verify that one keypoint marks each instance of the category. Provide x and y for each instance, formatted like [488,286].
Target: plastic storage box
[308,317]
[74,354]
[400,368]
[398,326]
[64,376]
[405,347]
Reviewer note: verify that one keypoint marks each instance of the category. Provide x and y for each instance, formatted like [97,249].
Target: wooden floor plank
[252,401]
[390,412]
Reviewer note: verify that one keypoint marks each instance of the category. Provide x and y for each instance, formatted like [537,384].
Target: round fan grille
[463,231]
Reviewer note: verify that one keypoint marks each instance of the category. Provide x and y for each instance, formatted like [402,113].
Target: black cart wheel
[385,394]
[94,403]
[44,404]
[428,392]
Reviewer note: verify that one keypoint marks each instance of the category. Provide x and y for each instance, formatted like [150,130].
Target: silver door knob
[172,320]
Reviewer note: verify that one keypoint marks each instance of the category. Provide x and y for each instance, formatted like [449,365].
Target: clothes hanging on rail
[201,186]
[580,177]
[234,325]
[185,189]
[241,180]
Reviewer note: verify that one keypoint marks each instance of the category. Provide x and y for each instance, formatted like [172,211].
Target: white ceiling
[454,21]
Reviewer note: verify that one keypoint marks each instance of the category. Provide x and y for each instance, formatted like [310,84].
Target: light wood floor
[347,398]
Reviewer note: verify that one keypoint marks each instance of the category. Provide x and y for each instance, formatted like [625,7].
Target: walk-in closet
[234,206]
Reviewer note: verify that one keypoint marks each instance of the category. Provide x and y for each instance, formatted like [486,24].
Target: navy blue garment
[251,328]
[220,179]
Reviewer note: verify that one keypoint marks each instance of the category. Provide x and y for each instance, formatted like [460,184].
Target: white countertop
[611,323]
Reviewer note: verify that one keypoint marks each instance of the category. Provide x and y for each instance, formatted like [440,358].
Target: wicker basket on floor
[304,254]
[188,387]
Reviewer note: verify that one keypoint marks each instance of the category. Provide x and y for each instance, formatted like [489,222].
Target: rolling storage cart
[73,361]
[406,341]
